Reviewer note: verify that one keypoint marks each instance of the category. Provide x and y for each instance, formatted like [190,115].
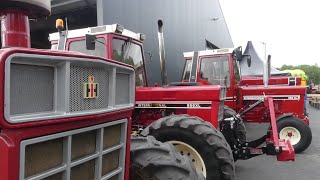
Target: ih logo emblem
[90,89]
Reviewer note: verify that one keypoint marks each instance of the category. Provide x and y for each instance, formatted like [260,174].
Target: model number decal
[176,106]
[274,97]
[193,105]
[151,105]
[294,97]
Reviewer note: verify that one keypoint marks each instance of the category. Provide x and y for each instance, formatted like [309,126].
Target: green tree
[312,71]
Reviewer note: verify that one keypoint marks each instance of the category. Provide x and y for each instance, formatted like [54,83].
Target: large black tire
[209,143]
[302,127]
[241,129]
[151,159]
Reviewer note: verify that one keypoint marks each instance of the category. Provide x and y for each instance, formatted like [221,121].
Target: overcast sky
[290,28]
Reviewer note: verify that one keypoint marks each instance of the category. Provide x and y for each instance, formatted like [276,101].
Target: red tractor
[221,67]
[67,115]
[189,117]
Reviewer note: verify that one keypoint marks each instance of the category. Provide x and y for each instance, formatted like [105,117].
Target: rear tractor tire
[151,159]
[198,139]
[295,130]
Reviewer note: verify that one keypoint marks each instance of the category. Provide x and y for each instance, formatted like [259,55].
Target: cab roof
[98,30]
[210,52]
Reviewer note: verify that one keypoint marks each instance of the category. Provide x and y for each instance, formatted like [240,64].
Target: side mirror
[90,42]
[238,53]
[248,58]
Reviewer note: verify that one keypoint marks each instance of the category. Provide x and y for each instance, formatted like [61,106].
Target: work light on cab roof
[59,24]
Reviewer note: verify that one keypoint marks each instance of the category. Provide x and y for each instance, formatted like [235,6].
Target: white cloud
[291,28]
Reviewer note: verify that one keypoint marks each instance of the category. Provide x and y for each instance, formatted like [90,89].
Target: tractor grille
[122,91]
[221,111]
[49,87]
[78,75]
[32,89]
[96,152]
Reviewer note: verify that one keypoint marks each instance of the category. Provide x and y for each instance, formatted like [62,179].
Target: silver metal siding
[187,23]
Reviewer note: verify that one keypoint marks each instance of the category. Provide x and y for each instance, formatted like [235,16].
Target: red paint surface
[15,30]
[249,86]
[280,80]
[287,153]
[11,135]
[91,90]
[178,93]
[281,106]
[274,135]
[187,94]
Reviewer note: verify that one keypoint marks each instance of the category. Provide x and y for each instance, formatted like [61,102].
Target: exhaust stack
[267,71]
[162,54]
[14,15]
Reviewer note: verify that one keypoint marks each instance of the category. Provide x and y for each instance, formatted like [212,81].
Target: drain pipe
[267,71]
[162,54]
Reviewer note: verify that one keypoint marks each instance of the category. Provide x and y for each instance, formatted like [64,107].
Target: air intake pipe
[267,71]
[15,14]
[162,54]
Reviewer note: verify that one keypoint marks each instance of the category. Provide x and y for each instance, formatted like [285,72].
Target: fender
[284,116]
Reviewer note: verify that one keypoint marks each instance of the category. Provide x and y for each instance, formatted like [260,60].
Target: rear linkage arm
[247,150]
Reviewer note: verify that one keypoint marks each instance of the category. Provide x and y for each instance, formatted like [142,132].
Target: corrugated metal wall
[187,23]
[60,6]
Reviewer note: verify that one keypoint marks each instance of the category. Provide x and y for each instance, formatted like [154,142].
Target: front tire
[202,137]
[295,130]
[151,159]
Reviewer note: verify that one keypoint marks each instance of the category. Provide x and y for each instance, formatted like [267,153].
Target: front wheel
[295,130]
[193,137]
[151,159]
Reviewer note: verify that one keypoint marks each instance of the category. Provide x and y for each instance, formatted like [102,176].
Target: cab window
[215,70]
[80,46]
[187,70]
[130,53]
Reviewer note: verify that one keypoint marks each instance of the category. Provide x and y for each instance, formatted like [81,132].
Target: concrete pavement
[305,167]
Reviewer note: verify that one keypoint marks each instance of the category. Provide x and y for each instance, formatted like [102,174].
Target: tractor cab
[231,67]
[108,41]
[213,67]
[240,74]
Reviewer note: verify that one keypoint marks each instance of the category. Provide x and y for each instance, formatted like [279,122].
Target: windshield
[80,46]
[187,70]
[215,70]
[129,53]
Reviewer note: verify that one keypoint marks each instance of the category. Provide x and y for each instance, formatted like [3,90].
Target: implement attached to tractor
[274,146]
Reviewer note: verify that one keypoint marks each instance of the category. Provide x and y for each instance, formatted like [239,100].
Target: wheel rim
[186,149]
[290,133]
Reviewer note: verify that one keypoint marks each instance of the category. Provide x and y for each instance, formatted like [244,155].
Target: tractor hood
[180,93]
[256,68]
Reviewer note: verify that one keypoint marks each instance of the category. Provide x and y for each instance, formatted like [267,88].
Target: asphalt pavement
[305,167]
